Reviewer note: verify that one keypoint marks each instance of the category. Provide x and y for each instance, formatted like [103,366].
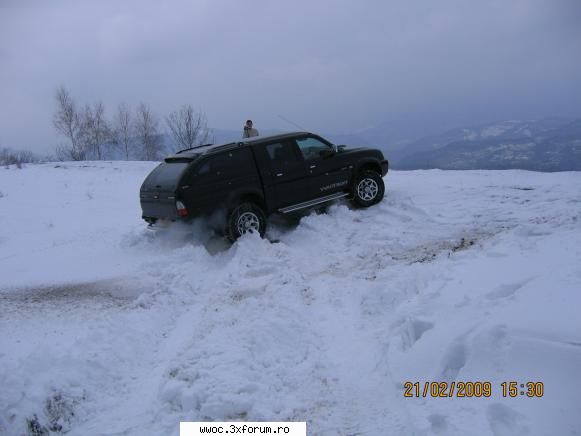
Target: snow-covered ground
[109,328]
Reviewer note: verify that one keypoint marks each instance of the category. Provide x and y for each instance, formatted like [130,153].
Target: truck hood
[363,151]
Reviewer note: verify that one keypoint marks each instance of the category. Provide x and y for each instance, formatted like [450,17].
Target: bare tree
[187,127]
[27,156]
[67,122]
[146,131]
[122,130]
[13,157]
[95,131]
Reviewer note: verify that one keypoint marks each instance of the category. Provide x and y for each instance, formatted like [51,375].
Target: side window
[203,169]
[228,163]
[311,147]
[242,159]
[221,164]
[282,155]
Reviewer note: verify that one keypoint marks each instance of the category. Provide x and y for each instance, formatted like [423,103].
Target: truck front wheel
[368,189]
[245,218]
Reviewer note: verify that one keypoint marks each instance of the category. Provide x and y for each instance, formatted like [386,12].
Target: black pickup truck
[256,177]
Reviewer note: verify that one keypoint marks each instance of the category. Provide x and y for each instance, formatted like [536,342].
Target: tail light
[182,211]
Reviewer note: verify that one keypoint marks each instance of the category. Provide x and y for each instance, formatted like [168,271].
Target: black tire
[244,218]
[368,188]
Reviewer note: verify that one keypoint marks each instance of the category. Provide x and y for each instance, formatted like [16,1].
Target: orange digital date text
[472,389]
[456,389]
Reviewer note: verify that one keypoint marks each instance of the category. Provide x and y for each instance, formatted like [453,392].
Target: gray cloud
[328,65]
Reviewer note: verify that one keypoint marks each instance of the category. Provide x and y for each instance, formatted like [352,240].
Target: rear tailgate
[157,193]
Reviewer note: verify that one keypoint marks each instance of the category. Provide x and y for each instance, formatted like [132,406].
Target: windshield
[311,148]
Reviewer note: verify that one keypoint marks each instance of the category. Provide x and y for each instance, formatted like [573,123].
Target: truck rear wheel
[368,188]
[245,218]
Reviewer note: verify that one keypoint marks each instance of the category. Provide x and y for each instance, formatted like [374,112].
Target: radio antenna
[290,122]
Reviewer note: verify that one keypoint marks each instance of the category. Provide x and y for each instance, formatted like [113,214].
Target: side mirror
[341,148]
[327,153]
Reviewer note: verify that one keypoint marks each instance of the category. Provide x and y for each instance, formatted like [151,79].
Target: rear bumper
[152,211]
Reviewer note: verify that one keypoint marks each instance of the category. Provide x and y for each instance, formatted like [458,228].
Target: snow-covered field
[109,328]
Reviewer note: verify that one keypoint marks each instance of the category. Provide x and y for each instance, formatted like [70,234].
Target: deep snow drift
[109,328]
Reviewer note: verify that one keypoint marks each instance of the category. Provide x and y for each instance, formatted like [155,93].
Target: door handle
[279,174]
[313,166]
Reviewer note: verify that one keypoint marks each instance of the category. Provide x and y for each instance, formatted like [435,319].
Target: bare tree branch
[187,127]
[123,130]
[146,131]
[95,131]
[66,121]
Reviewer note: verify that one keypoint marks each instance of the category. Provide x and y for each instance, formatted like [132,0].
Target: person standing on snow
[249,131]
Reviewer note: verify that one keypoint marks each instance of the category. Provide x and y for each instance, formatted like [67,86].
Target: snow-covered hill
[109,328]
[545,145]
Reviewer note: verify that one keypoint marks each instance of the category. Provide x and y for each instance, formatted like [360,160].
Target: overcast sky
[330,66]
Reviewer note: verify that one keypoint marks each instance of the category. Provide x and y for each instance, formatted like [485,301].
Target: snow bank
[107,328]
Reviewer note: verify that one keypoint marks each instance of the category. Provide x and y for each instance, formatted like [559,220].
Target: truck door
[328,173]
[285,175]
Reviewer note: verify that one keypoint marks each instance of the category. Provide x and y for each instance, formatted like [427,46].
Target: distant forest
[89,133]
